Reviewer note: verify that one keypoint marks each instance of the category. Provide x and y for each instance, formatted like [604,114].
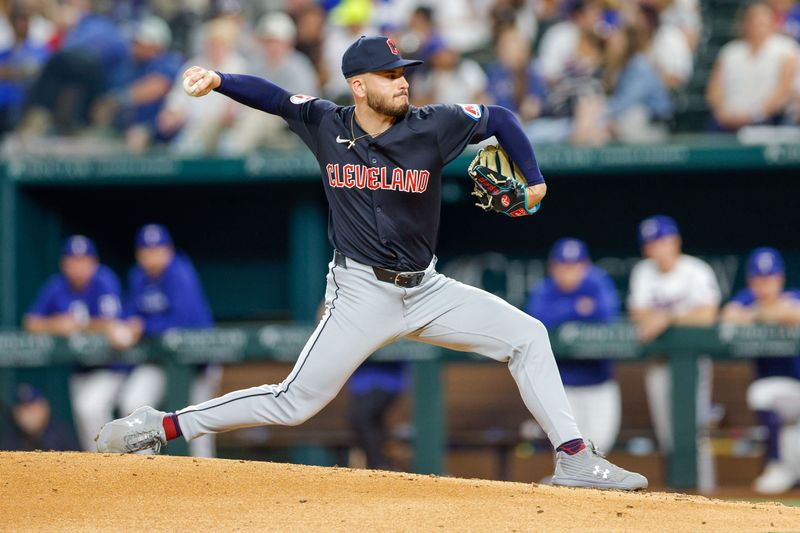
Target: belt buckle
[409,276]
[398,277]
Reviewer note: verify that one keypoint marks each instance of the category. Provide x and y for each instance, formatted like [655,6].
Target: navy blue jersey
[594,300]
[772,366]
[173,300]
[384,192]
[99,299]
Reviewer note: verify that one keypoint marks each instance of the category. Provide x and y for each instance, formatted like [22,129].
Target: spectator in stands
[195,127]
[73,77]
[639,103]
[575,102]
[560,43]
[668,47]
[164,293]
[683,15]
[140,85]
[85,297]
[20,64]
[280,63]
[578,291]
[671,288]
[450,79]
[374,389]
[787,17]
[42,31]
[422,37]
[519,15]
[775,393]
[28,426]
[514,83]
[752,79]
[310,22]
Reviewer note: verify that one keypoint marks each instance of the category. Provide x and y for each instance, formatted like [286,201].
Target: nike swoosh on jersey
[341,141]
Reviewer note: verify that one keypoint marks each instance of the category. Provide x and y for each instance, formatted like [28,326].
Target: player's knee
[533,332]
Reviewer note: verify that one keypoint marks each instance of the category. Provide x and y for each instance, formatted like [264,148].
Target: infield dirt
[81,492]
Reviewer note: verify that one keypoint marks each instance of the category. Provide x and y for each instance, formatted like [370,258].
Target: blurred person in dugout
[28,426]
[670,288]
[164,293]
[139,86]
[374,388]
[753,77]
[196,127]
[576,290]
[279,62]
[774,395]
[85,298]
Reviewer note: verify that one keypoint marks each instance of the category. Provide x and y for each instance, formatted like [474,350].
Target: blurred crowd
[581,71]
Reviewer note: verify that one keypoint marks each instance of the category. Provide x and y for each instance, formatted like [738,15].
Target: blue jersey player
[164,293]
[83,297]
[578,291]
[775,393]
[381,162]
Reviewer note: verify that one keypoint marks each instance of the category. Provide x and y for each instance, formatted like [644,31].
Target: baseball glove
[498,183]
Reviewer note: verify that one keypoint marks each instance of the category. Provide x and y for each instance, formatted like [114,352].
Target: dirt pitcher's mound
[82,491]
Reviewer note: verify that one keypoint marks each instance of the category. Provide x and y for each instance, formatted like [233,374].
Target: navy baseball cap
[373,54]
[655,227]
[27,393]
[569,250]
[153,235]
[79,246]
[764,262]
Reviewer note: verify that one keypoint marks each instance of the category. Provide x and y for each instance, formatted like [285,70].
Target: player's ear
[358,86]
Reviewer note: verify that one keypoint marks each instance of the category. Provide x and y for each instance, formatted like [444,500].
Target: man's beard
[384,106]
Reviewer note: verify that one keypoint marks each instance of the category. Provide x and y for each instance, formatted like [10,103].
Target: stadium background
[255,228]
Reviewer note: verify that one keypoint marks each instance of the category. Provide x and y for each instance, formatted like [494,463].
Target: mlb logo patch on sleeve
[301,98]
[473,111]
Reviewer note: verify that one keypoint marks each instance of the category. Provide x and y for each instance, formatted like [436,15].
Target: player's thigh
[361,315]
[145,385]
[465,318]
[598,412]
[94,391]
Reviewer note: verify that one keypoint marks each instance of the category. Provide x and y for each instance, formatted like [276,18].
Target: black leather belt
[406,280]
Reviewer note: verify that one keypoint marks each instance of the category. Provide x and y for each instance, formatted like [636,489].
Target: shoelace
[143,440]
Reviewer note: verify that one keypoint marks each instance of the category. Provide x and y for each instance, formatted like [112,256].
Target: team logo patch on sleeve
[473,111]
[301,98]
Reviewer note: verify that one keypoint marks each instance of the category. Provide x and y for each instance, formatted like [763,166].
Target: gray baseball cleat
[588,468]
[140,430]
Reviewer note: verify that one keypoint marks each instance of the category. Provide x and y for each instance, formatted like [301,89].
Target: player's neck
[371,121]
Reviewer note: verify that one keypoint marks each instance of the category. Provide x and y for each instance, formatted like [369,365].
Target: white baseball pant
[361,315]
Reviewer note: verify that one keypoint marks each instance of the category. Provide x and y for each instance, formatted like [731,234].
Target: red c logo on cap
[392,46]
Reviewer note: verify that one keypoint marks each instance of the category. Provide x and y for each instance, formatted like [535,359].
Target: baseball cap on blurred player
[277,25]
[153,31]
[27,393]
[153,235]
[569,250]
[764,262]
[79,246]
[656,227]
[373,54]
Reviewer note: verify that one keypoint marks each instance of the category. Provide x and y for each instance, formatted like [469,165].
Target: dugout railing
[52,358]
